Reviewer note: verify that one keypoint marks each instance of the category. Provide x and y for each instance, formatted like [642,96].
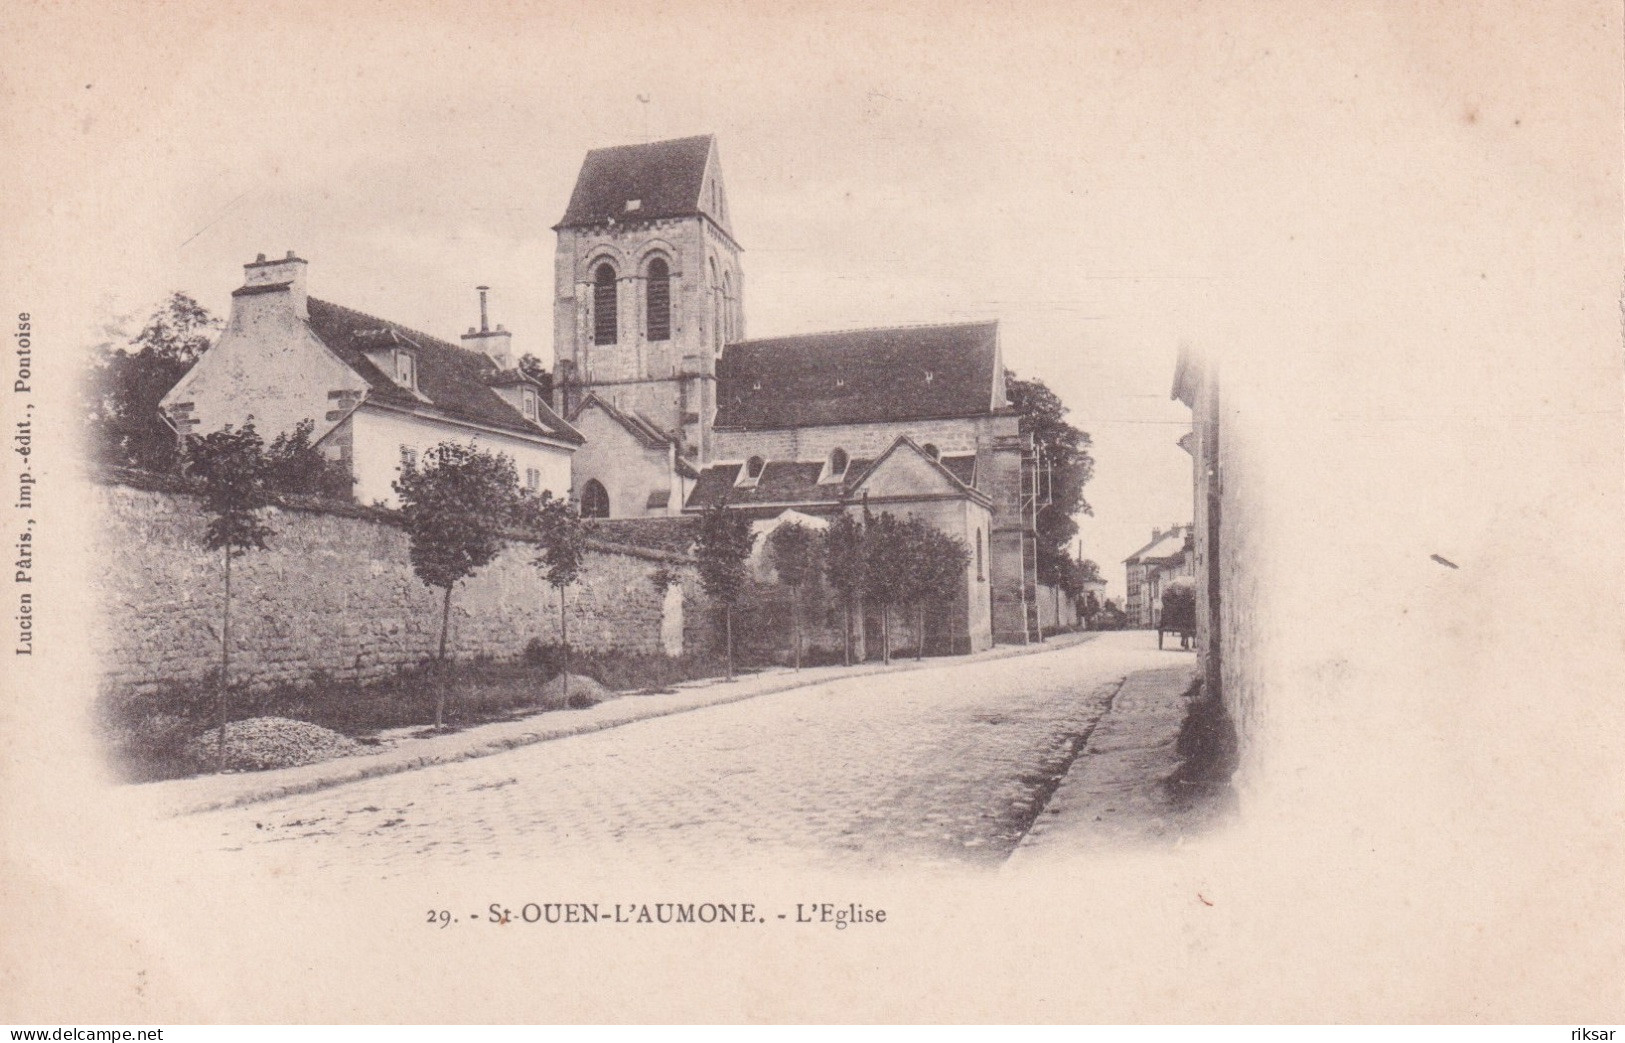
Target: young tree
[937,564]
[124,385]
[796,552]
[454,507]
[888,565]
[564,546]
[1065,468]
[295,465]
[843,566]
[724,545]
[232,468]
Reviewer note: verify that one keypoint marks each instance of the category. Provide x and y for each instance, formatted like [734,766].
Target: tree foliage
[233,472]
[796,553]
[563,536]
[931,567]
[1066,468]
[844,567]
[295,465]
[723,547]
[454,508]
[232,469]
[532,367]
[940,563]
[124,385]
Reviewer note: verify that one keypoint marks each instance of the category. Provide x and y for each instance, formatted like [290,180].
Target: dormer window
[932,451]
[835,467]
[751,473]
[406,369]
[529,397]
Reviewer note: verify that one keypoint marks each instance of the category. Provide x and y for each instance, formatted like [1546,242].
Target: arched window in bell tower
[716,306]
[658,304]
[728,330]
[604,319]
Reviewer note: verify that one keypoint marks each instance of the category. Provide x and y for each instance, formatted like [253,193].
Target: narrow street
[947,765]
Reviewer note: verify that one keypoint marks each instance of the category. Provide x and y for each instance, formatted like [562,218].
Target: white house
[378,393]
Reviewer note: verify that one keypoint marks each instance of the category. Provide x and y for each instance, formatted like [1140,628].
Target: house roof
[796,481]
[782,481]
[859,376]
[453,380]
[648,434]
[1168,545]
[665,177]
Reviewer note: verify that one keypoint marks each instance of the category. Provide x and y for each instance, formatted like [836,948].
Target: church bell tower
[647,287]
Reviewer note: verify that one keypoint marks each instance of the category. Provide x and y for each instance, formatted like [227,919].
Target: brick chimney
[495,343]
[288,273]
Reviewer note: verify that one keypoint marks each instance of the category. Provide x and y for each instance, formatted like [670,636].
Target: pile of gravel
[260,743]
[584,691]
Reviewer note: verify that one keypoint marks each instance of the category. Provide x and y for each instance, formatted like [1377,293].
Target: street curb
[1046,835]
[354,769]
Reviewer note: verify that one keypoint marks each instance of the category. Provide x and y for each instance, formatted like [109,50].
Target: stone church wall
[335,592]
[957,437]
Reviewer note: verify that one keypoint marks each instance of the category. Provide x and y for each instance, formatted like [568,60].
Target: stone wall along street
[335,592]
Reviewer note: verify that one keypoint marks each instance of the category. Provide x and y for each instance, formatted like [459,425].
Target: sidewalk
[215,792]
[1114,793]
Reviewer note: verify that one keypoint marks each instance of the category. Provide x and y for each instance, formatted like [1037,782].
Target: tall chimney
[497,344]
[290,271]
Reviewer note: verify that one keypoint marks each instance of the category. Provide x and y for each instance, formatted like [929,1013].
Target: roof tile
[858,376]
[453,380]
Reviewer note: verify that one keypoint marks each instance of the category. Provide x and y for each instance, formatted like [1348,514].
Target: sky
[1109,182]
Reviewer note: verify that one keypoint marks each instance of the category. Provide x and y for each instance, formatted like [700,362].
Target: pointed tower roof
[630,183]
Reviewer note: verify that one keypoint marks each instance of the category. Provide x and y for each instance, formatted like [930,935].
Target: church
[679,411]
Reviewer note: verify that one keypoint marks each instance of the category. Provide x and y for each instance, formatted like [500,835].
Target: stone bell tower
[647,287]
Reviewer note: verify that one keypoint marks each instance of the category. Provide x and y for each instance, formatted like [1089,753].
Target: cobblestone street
[946,765]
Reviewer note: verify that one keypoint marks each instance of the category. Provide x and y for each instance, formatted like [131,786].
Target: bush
[546,656]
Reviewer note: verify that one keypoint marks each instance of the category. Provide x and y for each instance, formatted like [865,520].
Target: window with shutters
[658,318]
[604,325]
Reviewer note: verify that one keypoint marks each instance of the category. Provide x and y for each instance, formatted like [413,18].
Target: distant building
[378,393]
[1168,557]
